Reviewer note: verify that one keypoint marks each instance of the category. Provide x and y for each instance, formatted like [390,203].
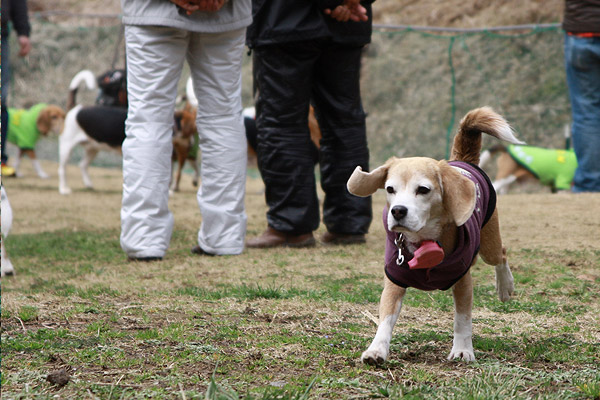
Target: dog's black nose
[399,212]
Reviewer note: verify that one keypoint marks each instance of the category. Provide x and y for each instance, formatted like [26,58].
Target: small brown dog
[25,127]
[185,143]
[439,216]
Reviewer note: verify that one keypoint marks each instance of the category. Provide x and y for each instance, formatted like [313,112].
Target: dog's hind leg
[389,309]
[90,153]
[17,164]
[180,164]
[38,169]
[196,178]
[501,185]
[493,253]
[64,152]
[462,344]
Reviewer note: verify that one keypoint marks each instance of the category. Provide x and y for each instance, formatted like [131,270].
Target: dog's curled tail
[467,143]
[85,76]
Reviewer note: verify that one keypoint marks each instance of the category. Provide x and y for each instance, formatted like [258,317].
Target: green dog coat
[22,126]
[551,166]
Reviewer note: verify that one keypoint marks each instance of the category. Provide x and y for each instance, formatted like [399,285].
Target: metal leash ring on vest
[398,242]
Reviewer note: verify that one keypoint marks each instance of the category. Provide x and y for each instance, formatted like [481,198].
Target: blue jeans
[582,62]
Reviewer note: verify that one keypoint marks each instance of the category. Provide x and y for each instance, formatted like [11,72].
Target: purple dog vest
[444,275]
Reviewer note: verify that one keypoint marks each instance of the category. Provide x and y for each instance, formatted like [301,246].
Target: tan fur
[315,136]
[458,194]
[313,126]
[182,143]
[507,166]
[448,202]
[51,119]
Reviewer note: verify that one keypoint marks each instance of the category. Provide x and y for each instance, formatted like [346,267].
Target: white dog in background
[7,216]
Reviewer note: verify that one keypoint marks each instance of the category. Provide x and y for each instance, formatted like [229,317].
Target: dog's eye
[423,190]
[390,189]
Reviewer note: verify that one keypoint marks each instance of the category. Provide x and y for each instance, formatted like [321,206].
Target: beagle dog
[185,144]
[25,126]
[439,216]
[551,167]
[95,128]
[7,218]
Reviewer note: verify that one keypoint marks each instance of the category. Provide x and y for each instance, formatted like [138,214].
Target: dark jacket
[284,21]
[582,16]
[15,11]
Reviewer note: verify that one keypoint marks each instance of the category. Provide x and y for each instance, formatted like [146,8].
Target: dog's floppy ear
[458,194]
[46,117]
[364,184]
[44,122]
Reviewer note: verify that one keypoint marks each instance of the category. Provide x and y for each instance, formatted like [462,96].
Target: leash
[399,242]
[427,255]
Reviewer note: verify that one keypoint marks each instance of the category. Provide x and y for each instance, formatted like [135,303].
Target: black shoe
[200,251]
[145,259]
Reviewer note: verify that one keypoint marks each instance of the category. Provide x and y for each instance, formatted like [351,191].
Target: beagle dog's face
[51,119]
[414,195]
[423,195]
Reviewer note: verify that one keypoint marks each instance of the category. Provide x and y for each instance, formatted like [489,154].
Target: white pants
[155,57]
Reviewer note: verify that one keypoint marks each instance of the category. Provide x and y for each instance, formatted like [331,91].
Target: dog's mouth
[401,228]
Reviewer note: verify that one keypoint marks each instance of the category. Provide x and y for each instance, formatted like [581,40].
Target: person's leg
[4,83]
[582,62]
[216,63]
[155,57]
[285,152]
[344,144]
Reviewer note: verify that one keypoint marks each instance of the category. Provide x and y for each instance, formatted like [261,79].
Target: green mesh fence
[416,85]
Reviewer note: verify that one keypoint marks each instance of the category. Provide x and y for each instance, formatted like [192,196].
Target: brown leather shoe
[274,238]
[342,238]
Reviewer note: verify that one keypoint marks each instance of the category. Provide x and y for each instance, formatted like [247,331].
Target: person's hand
[24,45]
[210,5]
[190,6]
[348,10]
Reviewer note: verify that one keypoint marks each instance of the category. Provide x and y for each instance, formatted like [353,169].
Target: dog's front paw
[374,356]
[461,353]
[505,291]
[505,283]
[64,190]
[44,175]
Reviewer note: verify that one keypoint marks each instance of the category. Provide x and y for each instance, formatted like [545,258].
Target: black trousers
[288,76]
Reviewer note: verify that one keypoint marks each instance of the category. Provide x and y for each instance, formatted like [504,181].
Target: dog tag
[428,255]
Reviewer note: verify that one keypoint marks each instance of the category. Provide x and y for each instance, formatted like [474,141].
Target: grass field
[283,323]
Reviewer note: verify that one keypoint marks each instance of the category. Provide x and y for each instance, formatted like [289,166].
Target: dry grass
[467,14]
[310,320]
[455,13]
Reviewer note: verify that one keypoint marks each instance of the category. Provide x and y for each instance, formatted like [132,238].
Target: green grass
[287,339]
